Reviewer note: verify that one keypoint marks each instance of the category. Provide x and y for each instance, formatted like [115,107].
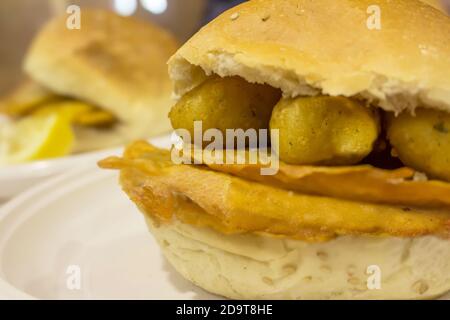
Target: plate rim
[42,168]
[49,166]
[7,289]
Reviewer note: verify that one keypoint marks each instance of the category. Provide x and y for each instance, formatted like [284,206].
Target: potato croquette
[226,103]
[324,130]
[422,141]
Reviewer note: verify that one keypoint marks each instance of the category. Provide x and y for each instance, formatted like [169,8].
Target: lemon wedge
[35,138]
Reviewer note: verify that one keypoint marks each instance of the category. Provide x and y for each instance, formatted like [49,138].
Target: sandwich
[107,81]
[359,204]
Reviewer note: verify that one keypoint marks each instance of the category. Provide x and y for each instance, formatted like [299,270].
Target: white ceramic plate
[18,178]
[80,229]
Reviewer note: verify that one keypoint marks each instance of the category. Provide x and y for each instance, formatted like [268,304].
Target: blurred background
[21,19]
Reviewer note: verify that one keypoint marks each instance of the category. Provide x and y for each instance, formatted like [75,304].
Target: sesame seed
[322,255]
[234,16]
[267,281]
[353,280]
[420,287]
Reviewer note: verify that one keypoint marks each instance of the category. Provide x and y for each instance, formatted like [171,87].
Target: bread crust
[309,47]
[261,267]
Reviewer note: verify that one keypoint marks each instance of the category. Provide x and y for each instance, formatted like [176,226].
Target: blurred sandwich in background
[90,88]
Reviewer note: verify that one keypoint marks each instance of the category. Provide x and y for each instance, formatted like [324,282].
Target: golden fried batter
[324,130]
[79,113]
[225,103]
[26,98]
[422,141]
[361,183]
[234,205]
[31,98]
[95,118]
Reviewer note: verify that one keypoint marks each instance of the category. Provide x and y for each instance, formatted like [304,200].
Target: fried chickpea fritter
[26,98]
[324,130]
[226,103]
[422,141]
[78,113]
